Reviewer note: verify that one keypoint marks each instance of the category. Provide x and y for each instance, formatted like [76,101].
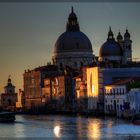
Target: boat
[136,122]
[7,117]
[136,119]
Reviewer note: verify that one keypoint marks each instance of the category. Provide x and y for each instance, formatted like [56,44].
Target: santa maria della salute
[79,81]
[74,49]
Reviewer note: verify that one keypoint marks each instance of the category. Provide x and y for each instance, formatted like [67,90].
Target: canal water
[55,126]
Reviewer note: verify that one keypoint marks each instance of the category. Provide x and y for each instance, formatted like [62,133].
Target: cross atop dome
[72,9]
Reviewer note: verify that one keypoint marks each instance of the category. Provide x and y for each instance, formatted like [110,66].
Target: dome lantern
[110,34]
[72,24]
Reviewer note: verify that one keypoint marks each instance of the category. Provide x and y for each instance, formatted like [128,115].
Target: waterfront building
[122,97]
[81,91]
[72,51]
[94,88]
[9,97]
[55,84]
[98,77]
[114,53]
[58,91]
[19,100]
[54,92]
[73,48]
[115,98]
[133,97]
[33,84]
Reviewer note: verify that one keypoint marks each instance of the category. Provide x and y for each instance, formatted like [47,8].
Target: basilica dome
[73,48]
[73,41]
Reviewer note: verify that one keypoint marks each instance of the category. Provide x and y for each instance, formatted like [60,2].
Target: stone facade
[133,97]
[33,84]
[115,99]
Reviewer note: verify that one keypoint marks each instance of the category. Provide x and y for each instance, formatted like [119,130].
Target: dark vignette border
[40,1]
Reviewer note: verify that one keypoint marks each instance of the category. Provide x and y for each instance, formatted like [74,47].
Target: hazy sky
[28,31]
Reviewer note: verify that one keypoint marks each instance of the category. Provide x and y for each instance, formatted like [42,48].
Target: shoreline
[74,114]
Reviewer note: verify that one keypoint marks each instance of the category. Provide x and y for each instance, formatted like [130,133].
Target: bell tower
[9,88]
[127,47]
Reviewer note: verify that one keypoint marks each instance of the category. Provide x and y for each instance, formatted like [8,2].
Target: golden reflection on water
[56,131]
[109,126]
[94,129]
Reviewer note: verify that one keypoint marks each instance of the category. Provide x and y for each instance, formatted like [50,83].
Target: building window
[77,45]
[117,107]
[81,64]
[61,65]
[113,91]
[111,107]
[120,107]
[63,45]
[117,90]
[106,107]
[120,90]
[75,64]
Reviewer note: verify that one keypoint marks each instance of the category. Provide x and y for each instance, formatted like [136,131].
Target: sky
[28,31]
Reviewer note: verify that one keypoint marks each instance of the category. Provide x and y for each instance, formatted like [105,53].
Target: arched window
[9,102]
[60,64]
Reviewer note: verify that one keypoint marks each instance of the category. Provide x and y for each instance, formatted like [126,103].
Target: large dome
[71,41]
[73,48]
[110,48]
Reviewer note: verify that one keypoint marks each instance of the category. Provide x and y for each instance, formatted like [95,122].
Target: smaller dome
[110,48]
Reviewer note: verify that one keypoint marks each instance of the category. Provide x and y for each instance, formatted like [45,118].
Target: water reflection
[94,129]
[56,131]
[67,127]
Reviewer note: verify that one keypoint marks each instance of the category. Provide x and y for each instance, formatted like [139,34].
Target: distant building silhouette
[9,97]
